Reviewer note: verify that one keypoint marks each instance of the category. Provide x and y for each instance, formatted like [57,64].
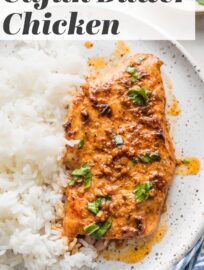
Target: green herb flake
[72,182]
[87,179]
[81,144]
[149,157]
[90,229]
[104,227]
[185,161]
[81,171]
[145,158]
[84,172]
[95,206]
[138,96]
[97,230]
[134,73]
[155,156]
[118,140]
[131,70]
[142,191]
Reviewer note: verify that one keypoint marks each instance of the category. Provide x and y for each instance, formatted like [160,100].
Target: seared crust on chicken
[125,148]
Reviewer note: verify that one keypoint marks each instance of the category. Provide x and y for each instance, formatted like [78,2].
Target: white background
[176,19]
[196,48]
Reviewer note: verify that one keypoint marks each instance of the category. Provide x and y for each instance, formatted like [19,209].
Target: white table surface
[196,48]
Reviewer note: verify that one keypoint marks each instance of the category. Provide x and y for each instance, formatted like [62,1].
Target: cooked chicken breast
[123,165]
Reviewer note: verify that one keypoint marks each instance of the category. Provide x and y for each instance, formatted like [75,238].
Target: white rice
[36,83]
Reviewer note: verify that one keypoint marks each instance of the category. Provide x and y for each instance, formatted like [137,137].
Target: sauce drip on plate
[174,108]
[135,251]
[88,44]
[97,62]
[121,49]
[187,166]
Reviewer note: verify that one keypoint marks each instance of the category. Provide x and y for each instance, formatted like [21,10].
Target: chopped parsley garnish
[118,140]
[138,96]
[149,157]
[81,143]
[87,179]
[142,191]
[146,158]
[81,171]
[90,229]
[185,161]
[94,207]
[97,230]
[85,173]
[133,72]
[72,182]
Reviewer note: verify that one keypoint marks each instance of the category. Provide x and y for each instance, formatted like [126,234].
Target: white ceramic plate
[185,201]
[185,215]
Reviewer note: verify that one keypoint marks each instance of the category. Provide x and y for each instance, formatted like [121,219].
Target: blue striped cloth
[194,260]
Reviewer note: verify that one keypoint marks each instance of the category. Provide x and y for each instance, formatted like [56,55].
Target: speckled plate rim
[200,233]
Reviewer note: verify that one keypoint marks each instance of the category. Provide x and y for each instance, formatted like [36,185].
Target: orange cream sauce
[174,108]
[187,166]
[121,49]
[88,44]
[97,62]
[133,252]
